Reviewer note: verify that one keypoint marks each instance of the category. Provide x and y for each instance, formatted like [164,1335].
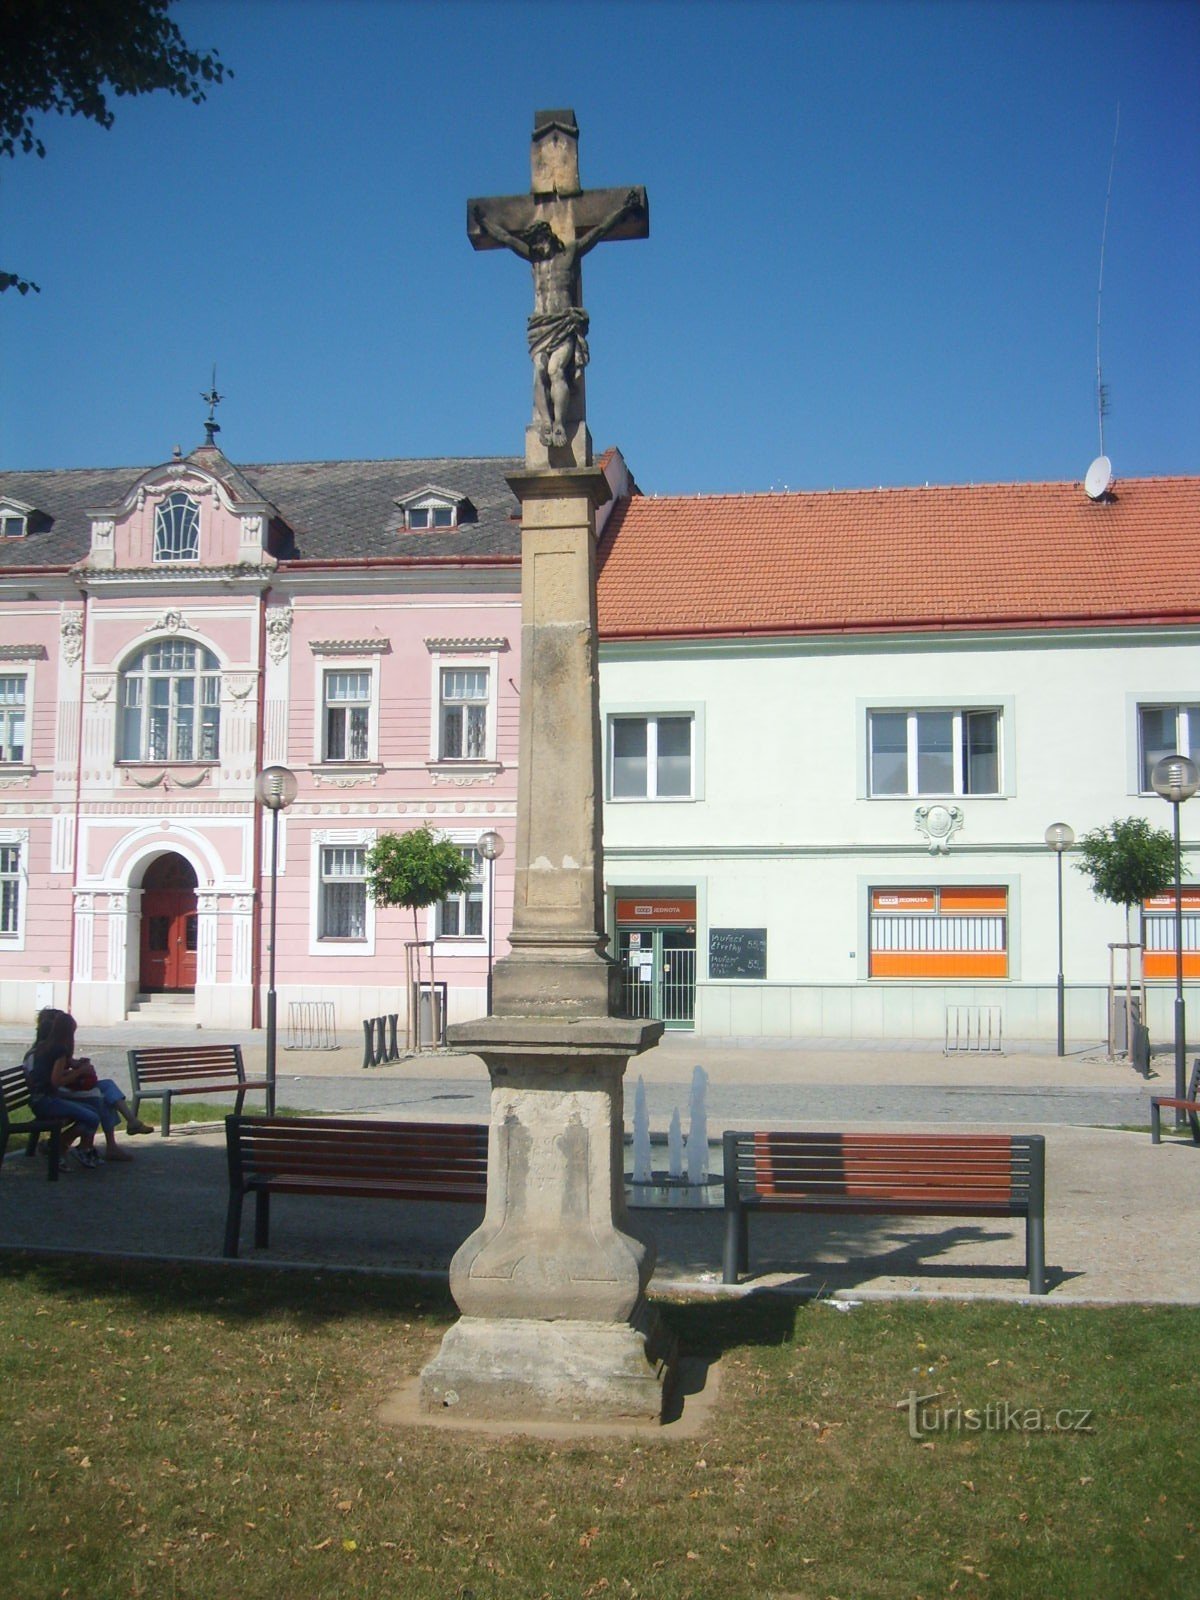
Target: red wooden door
[169,927]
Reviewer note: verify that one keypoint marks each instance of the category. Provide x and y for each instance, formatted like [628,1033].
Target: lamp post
[490,847]
[1176,779]
[1060,836]
[274,788]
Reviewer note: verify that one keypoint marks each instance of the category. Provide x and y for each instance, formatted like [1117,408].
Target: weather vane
[212,399]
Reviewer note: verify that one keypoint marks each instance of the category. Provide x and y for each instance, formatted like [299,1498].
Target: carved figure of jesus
[558,326]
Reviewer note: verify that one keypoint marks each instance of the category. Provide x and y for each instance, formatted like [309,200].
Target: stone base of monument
[552,1283]
[560,1371]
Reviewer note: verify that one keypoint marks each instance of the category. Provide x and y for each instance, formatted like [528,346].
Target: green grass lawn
[202,1431]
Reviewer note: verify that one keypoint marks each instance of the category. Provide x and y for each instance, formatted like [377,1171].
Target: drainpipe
[257,845]
[76,826]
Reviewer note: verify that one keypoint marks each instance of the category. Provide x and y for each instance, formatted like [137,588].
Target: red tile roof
[991,555]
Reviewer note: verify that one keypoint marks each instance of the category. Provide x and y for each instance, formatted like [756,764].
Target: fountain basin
[664,1191]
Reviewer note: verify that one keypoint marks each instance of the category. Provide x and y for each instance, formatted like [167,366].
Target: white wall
[784,835]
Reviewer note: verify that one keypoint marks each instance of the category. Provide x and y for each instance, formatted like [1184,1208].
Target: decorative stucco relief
[279,631]
[433,645]
[71,634]
[187,482]
[172,622]
[939,824]
[350,647]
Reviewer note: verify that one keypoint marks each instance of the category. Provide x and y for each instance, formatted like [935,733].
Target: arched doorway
[169,927]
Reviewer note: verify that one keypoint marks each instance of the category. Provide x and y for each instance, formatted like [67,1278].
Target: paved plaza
[1122,1215]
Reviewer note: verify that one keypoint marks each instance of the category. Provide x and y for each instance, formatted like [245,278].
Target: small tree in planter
[1127,862]
[415,869]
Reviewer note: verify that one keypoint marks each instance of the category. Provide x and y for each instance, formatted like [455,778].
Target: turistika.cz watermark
[926,1417]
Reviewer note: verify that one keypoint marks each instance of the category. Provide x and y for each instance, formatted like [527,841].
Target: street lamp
[274,788]
[490,847]
[1060,836]
[1176,779]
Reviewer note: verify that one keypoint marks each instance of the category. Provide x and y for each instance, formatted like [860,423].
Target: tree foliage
[1127,861]
[70,56]
[415,869]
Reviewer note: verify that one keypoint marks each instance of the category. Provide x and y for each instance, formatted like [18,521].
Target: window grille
[951,932]
[177,528]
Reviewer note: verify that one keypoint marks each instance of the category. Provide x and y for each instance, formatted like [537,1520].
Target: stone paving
[1122,1215]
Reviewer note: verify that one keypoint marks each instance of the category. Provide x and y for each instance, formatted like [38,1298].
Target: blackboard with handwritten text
[737,952]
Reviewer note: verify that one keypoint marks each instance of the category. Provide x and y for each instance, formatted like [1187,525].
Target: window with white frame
[421,518]
[13,719]
[10,890]
[343,892]
[936,750]
[460,916]
[171,704]
[651,757]
[177,528]
[463,709]
[347,710]
[13,524]
[1166,730]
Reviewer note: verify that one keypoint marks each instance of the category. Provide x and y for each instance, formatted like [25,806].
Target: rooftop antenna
[1100,474]
[212,399]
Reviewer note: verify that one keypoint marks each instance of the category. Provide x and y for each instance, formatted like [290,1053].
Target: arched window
[177,528]
[171,704]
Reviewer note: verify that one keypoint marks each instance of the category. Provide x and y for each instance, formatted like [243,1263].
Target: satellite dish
[1099,476]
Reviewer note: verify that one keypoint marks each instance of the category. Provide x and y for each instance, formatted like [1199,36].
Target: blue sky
[875,233]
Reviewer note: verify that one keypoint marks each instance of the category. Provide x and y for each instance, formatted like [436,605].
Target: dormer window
[431,517]
[434,507]
[177,528]
[14,519]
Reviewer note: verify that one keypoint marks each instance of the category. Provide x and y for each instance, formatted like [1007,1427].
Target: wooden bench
[14,1096]
[886,1174]
[1190,1106]
[161,1071]
[356,1158]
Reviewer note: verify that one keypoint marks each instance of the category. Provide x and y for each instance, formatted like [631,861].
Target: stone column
[557,967]
[552,1285]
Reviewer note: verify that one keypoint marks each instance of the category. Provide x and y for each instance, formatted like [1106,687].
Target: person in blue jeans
[60,1086]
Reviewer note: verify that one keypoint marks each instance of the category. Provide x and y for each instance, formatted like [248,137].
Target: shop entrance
[656,946]
[169,927]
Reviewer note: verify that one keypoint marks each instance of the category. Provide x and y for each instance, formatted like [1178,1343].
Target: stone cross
[552,1284]
[552,228]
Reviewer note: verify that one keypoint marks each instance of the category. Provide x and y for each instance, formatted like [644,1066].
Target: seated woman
[92,1102]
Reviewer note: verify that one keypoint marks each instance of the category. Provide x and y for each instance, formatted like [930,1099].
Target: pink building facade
[167,634]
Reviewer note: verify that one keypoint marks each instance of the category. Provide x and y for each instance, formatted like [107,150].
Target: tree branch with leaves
[415,870]
[1127,862]
[70,56]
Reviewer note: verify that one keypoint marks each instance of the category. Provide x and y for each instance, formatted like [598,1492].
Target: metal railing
[311,1025]
[975,1030]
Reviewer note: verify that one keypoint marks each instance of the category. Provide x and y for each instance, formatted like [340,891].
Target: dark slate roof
[336,510]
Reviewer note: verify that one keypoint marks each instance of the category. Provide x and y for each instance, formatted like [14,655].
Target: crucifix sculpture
[552,1283]
[552,228]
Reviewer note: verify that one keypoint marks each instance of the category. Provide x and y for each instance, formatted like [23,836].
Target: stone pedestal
[551,1285]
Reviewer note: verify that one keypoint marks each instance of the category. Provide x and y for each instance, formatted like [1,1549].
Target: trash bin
[431,1016]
